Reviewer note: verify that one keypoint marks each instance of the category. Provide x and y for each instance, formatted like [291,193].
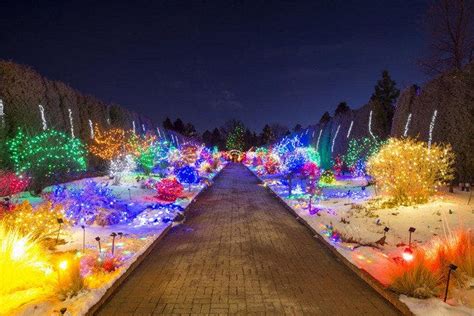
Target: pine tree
[178,126]
[386,91]
[325,118]
[235,139]
[167,124]
[341,108]
[267,135]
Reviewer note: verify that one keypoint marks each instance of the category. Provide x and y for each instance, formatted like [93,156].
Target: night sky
[209,61]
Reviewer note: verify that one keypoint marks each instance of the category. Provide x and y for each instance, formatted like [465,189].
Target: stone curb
[111,291]
[389,296]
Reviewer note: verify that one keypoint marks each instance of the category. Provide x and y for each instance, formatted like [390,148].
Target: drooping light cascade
[432,124]
[370,125]
[2,114]
[159,133]
[335,136]
[143,128]
[407,125]
[91,127]
[319,138]
[71,122]
[133,127]
[43,117]
[350,129]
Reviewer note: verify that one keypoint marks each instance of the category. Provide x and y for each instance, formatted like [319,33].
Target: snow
[347,208]
[138,236]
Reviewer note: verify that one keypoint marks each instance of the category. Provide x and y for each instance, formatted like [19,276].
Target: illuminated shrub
[146,159]
[410,172]
[169,189]
[108,144]
[359,151]
[327,178]
[38,223]
[69,279]
[188,175]
[272,164]
[46,156]
[10,183]
[26,273]
[121,166]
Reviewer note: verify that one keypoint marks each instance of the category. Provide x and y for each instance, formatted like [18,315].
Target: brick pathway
[240,251]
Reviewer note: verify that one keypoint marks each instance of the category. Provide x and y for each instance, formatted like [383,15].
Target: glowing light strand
[133,126]
[143,128]
[335,136]
[319,138]
[407,125]
[2,113]
[370,125]
[350,129]
[71,122]
[432,124]
[91,126]
[43,117]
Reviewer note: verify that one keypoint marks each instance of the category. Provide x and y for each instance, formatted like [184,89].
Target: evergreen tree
[190,130]
[178,126]
[298,128]
[216,138]
[267,137]
[386,91]
[341,108]
[325,118]
[207,138]
[235,139]
[167,124]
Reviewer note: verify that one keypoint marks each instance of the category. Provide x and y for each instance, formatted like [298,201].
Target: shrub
[409,171]
[108,144]
[10,183]
[47,156]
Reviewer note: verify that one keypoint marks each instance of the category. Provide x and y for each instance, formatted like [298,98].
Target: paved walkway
[240,251]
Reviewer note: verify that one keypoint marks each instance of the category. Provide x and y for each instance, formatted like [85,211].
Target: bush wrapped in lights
[121,166]
[272,164]
[188,175]
[47,155]
[327,178]
[92,203]
[409,172]
[39,223]
[11,183]
[108,144]
[146,160]
[189,153]
[136,145]
[169,189]
[25,269]
[359,151]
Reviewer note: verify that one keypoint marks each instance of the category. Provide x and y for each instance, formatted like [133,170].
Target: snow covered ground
[350,210]
[134,239]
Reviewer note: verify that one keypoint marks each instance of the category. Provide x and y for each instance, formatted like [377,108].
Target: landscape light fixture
[83,238]
[451,267]
[98,240]
[60,222]
[385,230]
[113,235]
[411,230]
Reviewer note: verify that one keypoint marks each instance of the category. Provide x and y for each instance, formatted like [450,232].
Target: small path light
[120,234]
[452,267]
[385,231]
[83,238]
[113,235]
[98,240]
[410,230]
[60,222]
[407,254]
[129,194]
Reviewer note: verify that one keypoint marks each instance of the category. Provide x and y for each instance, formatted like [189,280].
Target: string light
[407,125]
[108,144]
[334,139]
[432,124]
[370,125]
[143,128]
[91,128]
[133,126]
[159,133]
[350,129]
[71,122]
[409,172]
[319,138]
[2,114]
[43,117]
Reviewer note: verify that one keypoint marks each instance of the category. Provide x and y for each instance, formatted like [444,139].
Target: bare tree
[450,28]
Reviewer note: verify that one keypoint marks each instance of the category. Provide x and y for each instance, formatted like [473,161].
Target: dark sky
[209,61]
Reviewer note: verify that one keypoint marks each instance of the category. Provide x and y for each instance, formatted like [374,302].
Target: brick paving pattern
[240,252]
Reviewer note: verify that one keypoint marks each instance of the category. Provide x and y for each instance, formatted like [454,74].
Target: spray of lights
[2,114]
[143,128]
[43,117]
[350,129]
[335,136]
[432,124]
[407,125]
[319,138]
[71,122]
[370,125]
[133,127]
[91,129]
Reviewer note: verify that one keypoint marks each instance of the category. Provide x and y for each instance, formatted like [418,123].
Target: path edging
[110,291]
[389,296]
